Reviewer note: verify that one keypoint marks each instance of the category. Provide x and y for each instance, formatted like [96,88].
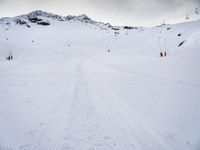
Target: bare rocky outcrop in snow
[44,18]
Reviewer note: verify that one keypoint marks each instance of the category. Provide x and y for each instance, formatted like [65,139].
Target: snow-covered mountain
[78,84]
[43,18]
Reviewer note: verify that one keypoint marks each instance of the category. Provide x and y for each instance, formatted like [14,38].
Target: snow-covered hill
[40,30]
[76,83]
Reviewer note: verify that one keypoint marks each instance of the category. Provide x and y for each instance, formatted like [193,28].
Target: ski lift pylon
[187,16]
[196,11]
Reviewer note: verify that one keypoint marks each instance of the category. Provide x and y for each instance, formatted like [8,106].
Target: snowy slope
[64,90]
[81,31]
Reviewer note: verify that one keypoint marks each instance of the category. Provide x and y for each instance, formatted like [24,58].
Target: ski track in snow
[84,128]
[137,129]
[83,124]
[143,75]
[92,117]
[42,141]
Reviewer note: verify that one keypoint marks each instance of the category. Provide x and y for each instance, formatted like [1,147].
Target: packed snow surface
[77,84]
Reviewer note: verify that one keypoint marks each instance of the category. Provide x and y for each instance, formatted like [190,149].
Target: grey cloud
[113,5]
[141,6]
[197,2]
[146,10]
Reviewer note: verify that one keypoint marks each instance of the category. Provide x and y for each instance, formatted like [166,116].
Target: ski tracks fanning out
[150,76]
[88,127]
[87,115]
[126,119]
[97,119]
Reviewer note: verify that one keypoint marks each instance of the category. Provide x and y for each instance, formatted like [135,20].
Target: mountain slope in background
[41,27]
[75,83]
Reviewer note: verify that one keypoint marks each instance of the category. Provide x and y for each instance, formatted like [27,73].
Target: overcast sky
[116,12]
